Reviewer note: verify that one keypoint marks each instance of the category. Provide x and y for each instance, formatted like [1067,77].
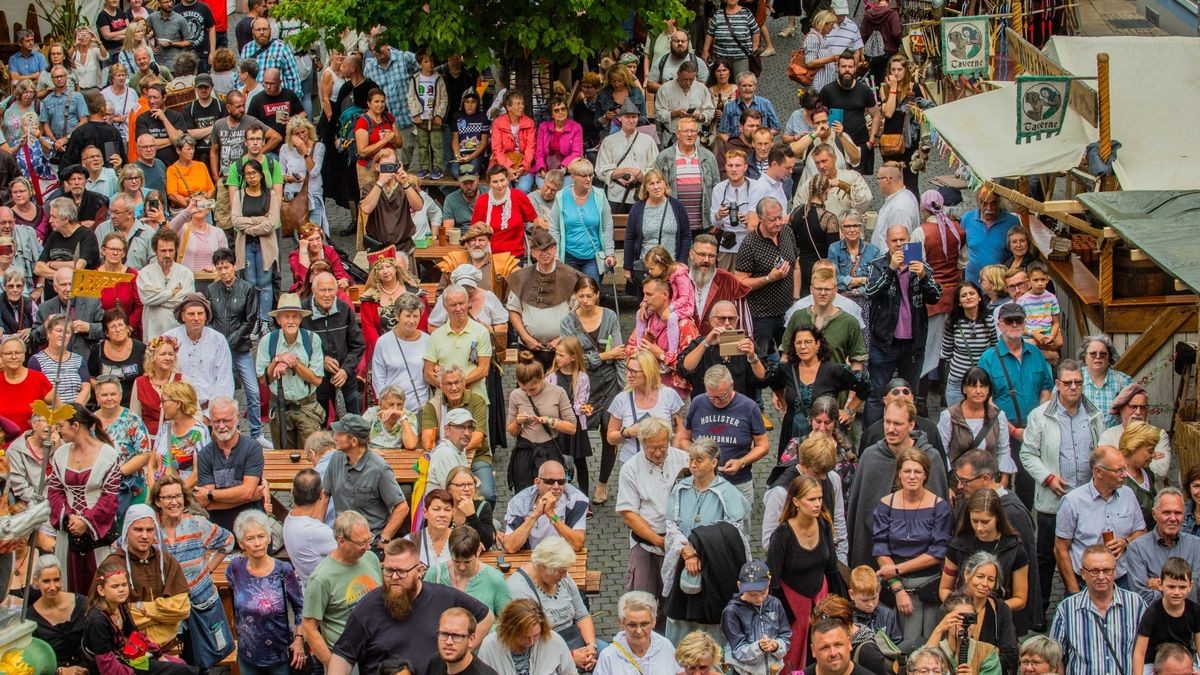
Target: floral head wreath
[159,341]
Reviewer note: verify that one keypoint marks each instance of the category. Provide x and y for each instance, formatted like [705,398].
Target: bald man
[341,339]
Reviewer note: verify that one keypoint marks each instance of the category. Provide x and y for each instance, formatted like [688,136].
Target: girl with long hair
[569,372]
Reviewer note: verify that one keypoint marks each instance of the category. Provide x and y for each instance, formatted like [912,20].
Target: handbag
[755,60]
[892,145]
[293,213]
[798,72]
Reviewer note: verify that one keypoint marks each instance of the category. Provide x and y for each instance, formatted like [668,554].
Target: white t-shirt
[308,542]
[426,91]
[402,363]
[669,403]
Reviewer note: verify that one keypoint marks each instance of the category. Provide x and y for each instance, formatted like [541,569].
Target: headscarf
[933,202]
[1132,389]
[134,513]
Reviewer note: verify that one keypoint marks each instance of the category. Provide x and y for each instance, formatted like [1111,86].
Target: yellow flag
[89,283]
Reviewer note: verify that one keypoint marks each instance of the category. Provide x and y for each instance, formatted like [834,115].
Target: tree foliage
[563,31]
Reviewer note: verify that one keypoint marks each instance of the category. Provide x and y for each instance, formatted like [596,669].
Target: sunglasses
[900,391]
[553,481]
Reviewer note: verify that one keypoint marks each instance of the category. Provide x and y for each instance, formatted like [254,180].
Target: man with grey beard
[714,285]
[229,469]
[402,617]
[477,250]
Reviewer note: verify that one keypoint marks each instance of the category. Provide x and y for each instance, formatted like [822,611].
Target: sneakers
[265,443]
[256,333]
[787,32]
[436,174]
[422,174]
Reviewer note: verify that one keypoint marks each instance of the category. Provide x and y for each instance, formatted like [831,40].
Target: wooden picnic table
[279,469]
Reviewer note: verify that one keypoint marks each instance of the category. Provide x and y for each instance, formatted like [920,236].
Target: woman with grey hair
[16,311]
[1102,383]
[981,577]
[58,615]
[638,648]
[927,661]
[701,499]
[1040,655]
[852,254]
[397,353]
[953,636]
[546,578]
[263,590]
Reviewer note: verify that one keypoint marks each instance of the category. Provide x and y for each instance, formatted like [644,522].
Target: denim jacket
[845,266]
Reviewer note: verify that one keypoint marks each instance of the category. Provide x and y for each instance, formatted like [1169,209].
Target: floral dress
[130,438]
[260,609]
[178,453]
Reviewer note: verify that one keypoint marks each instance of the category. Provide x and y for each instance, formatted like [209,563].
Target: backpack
[305,340]
[345,135]
[663,62]
[893,658]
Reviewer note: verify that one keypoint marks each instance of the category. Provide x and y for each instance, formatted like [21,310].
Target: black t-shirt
[114,23]
[199,116]
[58,247]
[244,32]
[267,108]
[127,370]
[100,134]
[457,86]
[1162,628]
[149,124]
[199,19]
[372,635]
[854,102]
[438,667]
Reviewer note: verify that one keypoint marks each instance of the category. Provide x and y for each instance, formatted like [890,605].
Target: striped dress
[964,344]
[194,537]
[725,41]
[689,185]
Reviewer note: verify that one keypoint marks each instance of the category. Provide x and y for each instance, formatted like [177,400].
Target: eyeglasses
[925,670]
[1032,661]
[362,544]
[171,498]
[553,481]
[1099,571]
[396,572]
[1071,384]
[452,637]
[967,481]
[633,371]
[1013,287]
[1014,320]
[900,391]
[463,484]
[1120,471]
[1098,355]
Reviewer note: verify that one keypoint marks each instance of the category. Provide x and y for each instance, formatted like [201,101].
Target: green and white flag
[965,45]
[1041,106]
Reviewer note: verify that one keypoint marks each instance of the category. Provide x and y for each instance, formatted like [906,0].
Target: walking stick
[281,411]
[616,296]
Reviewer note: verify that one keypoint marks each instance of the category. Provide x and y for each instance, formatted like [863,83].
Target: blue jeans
[525,183]
[486,474]
[585,266]
[278,669]
[243,368]
[259,278]
[903,357]
[318,216]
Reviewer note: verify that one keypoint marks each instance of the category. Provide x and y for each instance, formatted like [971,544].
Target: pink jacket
[504,143]
[683,293]
[566,144]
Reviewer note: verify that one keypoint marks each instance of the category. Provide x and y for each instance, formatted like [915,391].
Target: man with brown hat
[477,250]
[204,357]
[539,297]
[292,364]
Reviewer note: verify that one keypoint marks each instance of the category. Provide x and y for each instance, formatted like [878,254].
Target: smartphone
[836,115]
[206,204]
[389,167]
[691,110]
[153,204]
[913,252]
[7,249]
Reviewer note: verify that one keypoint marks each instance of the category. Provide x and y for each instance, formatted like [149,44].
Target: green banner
[1041,106]
[965,45]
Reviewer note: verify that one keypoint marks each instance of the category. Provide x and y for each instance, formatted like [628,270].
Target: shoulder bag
[293,213]
[756,65]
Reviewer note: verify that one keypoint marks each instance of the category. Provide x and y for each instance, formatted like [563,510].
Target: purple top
[260,606]
[904,320]
[904,534]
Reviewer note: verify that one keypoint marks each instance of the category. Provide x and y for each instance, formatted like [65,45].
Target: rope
[1105,112]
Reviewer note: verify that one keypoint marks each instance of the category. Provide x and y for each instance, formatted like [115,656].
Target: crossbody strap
[725,15]
[633,414]
[550,431]
[533,587]
[1012,391]
[627,655]
[1108,643]
[988,423]
[411,379]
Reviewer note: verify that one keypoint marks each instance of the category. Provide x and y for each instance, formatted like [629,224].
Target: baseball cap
[1010,310]
[203,80]
[459,416]
[754,577]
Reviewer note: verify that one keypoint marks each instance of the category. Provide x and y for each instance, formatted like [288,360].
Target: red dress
[300,270]
[151,402]
[16,398]
[506,237]
[125,294]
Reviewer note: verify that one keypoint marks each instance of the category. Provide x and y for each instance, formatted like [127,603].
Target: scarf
[933,202]
[505,207]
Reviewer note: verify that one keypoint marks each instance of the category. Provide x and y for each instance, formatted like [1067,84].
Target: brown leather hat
[541,240]
[477,230]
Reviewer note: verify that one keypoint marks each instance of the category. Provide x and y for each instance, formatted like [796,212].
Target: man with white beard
[714,285]
[477,250]
[229,469]
[402,617]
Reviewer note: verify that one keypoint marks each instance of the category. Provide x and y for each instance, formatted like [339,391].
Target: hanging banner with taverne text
[1041,106]
[965,45]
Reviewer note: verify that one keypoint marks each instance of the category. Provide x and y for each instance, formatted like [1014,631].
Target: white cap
[466,274]
[840,7]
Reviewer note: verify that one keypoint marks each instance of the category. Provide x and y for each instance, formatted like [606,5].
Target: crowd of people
[939,458]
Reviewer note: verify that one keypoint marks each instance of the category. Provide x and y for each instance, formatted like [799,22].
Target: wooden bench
[279,469]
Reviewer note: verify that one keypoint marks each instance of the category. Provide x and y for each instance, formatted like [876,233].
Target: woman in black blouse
[982,575]
[59,615]
[809,375]
[802,557]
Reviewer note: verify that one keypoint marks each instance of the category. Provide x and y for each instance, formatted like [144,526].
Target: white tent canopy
[1155,91]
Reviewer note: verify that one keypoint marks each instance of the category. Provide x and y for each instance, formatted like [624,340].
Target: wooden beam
[1083,99]
[1157,334]
[1138,254]
[1110,233]
[1039,207]
[1064,206]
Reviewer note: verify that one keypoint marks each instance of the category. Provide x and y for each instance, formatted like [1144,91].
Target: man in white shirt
[645,485]
[451,451]
[623,157]
[772,182]
[162,285]
[682,97]
[306,537]
[845,34]
[899,208]
[848,189]
[204,357]
[730,208]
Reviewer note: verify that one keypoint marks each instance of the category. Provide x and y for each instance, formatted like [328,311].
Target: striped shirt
[965,344]
[1079,628]
[193,539]
[845,35]
[725,41]
[689,184]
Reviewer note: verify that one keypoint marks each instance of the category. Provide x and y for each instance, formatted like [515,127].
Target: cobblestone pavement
[607,538]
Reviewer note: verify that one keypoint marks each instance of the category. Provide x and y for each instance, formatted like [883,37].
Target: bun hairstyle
[529,369]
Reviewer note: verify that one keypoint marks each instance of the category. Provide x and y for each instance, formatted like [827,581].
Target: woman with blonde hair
[1137,445]
[619,85]
[645,395]
[991,280]
[698,654]
[585,110]
[24,100]
[656,219]
[135,36]
[161,367]
[523,633]
[386,282]
[819,57]
[120,98]
[581,222]
[301,157]
[181,433]
[132,184]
